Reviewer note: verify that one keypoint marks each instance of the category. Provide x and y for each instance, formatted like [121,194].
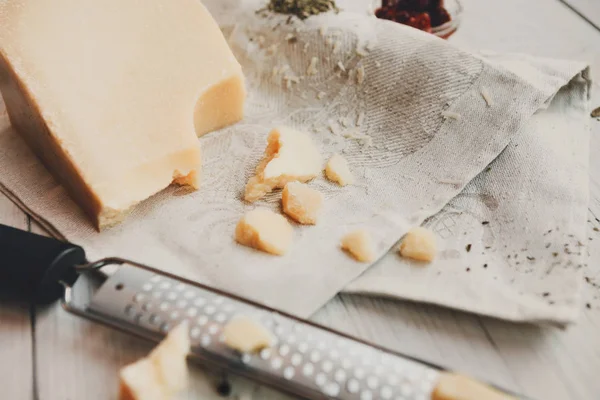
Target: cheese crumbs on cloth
[264,230]
[301,203]
[360,245]
[419,244]
[337,170]
[290,156]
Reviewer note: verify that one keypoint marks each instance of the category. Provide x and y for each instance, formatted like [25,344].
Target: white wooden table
[47,354]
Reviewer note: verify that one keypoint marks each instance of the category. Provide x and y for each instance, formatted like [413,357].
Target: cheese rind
[264,230]
[337,170]
[360,245]
[301,203]
[163,373]
[246,335]
[114,113]
[419,244]
[290,156]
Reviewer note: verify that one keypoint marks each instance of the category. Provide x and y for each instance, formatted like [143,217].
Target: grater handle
[32,266]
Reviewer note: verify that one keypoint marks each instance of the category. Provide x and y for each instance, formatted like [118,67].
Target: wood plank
[16,345]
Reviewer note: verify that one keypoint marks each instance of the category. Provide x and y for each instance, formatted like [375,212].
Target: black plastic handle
[31,266]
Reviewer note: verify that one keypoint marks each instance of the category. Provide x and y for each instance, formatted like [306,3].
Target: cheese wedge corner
[111,95]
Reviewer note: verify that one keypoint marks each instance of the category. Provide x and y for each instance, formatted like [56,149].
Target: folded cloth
[408,112]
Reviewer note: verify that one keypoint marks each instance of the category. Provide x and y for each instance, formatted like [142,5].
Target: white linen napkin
[408,112]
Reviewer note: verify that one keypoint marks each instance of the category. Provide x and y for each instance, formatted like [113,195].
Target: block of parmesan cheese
[301,203]
[161,375]
[290,156]
[112,94]
[264,230]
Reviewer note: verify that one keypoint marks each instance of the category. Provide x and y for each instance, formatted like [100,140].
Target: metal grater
[307,360]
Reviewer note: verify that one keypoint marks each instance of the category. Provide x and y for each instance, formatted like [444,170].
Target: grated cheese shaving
[289,79]
[486,97]
[360,75]
[289,36]
[451,115]
[360,119]
[361,52]
[362,138]
[333,127]
[312,67]
[341,66]
[305,49]
[344,122]
[336,46]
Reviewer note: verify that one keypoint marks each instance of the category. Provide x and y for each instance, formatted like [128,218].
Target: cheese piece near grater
[290,156]
[246,335]
[163,373]
[111,95]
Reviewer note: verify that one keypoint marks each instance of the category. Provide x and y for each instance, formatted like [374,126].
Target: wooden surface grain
[61,357]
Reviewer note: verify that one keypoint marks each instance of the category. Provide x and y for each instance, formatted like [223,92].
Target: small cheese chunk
[360,245]
[162,374]
[301,203]
[337,170]
[290,156]
[457,387]
[111,95]
[419,244]
[246,335]
[264,230]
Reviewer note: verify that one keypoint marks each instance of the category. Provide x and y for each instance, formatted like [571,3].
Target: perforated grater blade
[306,360]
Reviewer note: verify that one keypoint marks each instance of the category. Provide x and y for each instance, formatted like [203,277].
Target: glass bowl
[444,31]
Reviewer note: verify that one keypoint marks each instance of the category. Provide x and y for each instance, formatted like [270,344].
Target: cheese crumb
[360,52]
[457,387]
[419,244]
[360,75]
[264,230]
[312,68]
[289,36]
[290,156]
[246,335]
[360,245]
[341,66]
[301,203]
[362,138]
[163,373]
[486,96]
[337,170]
[451,115]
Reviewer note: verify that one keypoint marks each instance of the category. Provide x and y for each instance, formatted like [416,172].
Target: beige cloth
[384,110]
